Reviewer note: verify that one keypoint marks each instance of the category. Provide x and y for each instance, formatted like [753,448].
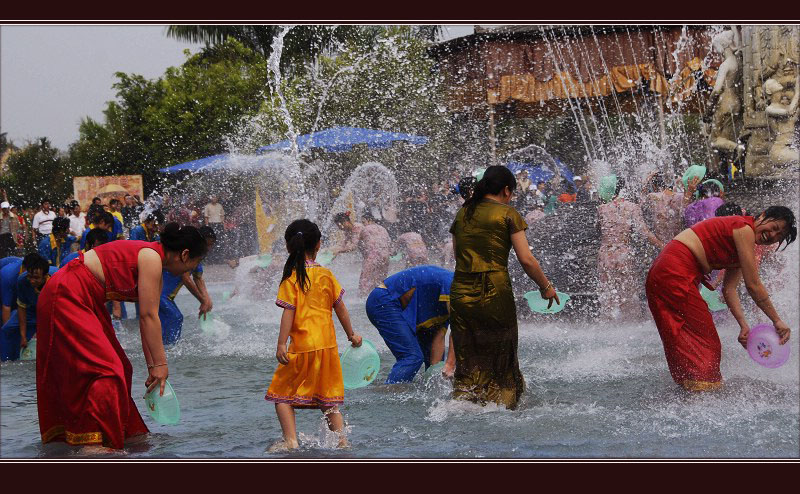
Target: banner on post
[106,188]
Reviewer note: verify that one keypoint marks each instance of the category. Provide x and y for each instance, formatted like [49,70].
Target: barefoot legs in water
[288,426]
[286,417]
[335,423]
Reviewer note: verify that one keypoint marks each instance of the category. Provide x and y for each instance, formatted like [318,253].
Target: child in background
[309,374]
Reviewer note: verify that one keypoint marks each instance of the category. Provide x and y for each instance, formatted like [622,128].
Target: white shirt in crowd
[214,212]
[43,223]
[77,224]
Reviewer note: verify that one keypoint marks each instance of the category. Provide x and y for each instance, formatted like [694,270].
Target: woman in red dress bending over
[83,377]
[691,343]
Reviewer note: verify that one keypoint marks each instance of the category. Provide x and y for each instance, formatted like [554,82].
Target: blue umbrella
[538,172]
[339,139]
[228,162]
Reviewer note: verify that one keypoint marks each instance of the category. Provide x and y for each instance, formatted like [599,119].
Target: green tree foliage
[186,114]
[36,172]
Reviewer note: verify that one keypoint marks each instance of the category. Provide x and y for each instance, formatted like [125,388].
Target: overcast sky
[53,76]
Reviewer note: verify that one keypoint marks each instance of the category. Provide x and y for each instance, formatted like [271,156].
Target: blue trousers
[171,320]
[409,347]
[9,336]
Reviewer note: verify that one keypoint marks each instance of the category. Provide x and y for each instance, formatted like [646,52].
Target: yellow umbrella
[112,190]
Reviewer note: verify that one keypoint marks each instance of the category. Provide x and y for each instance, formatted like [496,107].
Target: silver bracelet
[549,286]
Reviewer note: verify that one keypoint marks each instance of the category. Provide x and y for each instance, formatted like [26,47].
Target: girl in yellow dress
[309,374]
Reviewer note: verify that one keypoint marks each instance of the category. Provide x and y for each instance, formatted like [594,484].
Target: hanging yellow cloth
[265,225]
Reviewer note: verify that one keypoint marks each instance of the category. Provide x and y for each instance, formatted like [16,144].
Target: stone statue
[769,80]
[782,111]
[725,101]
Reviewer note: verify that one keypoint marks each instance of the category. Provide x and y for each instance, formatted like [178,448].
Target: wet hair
[155,216]
[775,213]
[96,237]
[178,238]
[37,263]
[466,186]
[728,209]
[494,180]
[95,199]
[103,217]
[207,232]
[708,189]
[60,225]
[32,259]
[93,211]
[341,218]
[74,203]
[44,201]
[657,183]
[301,237]
[113,201]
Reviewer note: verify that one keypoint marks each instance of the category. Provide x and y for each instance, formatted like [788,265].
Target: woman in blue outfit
[168,311]
[21,326]
[149,229]
[58,244]
[411,311]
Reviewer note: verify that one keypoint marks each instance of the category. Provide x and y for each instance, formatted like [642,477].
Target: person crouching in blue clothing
[58,244]
[168,311]
[104,221]
[411,311]
[9,275]
[93,239]
[21,326]
[148,230]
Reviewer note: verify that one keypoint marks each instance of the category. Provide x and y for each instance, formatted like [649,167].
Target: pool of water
[593,391]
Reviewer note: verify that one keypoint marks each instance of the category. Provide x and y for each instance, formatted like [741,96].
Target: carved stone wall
[770,55]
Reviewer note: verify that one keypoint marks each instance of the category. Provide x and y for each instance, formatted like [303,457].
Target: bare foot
[281,446]
[343,443]
[233,263]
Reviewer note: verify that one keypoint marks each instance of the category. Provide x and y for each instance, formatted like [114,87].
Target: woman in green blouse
[483,315]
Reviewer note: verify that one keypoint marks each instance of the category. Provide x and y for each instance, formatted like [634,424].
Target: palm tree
[301,44]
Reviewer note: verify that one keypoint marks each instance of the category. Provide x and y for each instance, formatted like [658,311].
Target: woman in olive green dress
[483,315]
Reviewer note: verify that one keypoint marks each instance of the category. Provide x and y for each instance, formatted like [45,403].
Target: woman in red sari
[83,377]
[690,339]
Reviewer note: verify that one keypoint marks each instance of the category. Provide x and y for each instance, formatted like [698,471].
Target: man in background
[43,221]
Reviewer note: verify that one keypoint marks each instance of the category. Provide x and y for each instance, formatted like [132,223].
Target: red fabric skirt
[83,377]
[690,339]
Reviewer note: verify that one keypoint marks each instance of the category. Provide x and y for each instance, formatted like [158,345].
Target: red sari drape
[83,377]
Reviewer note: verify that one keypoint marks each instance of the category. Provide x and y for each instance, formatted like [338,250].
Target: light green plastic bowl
[264,260]
[539,304]
[712,298]
[207,322]
[164,409]
[29,352]
[324,257]
[226,295]
[360,365]
[693,171]
[433,371]
[607,187]
[397,258]
[478,174]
